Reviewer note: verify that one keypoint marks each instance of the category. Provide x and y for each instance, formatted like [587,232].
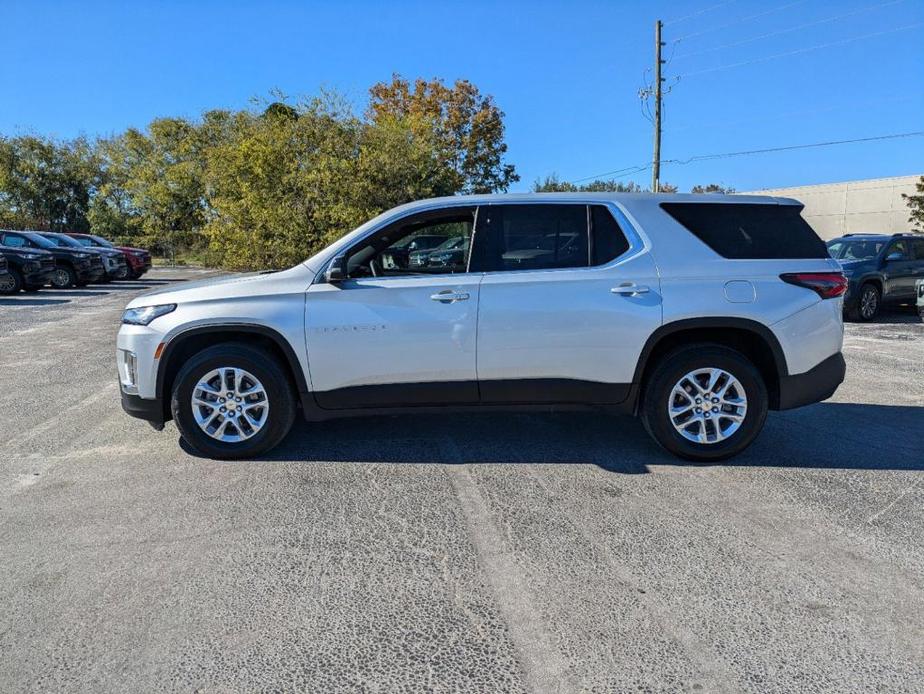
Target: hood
[252,284]
[131,249]
[107,251]
[849,266]
[10,250]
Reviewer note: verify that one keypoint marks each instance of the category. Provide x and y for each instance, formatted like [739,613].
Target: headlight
[31,256]
[145,314]
[82,255]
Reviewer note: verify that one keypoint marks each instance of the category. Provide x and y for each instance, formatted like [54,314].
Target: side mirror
[337,270]
[892,257]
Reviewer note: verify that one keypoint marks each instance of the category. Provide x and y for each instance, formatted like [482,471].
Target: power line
[803,50]
[726,155]
[628,171]
[742,20]
[622,173]
[789,30]
[698,12]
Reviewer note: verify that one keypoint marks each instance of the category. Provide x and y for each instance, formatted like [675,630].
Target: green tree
[712,188]
[467,129]
[47,184]
[916,206]
[552,184]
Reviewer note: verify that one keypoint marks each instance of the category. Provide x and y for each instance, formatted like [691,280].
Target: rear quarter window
[749,231]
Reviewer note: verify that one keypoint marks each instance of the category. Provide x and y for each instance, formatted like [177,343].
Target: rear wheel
[12,283]
[63,277]
[704,402]
[233,401]
[868,304]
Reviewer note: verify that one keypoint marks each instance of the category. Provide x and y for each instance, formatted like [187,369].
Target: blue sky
[566,74]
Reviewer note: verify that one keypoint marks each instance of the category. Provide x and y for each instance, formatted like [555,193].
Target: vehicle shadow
[73,292]
[898,315]
[16,301]
[112,286]
[823,436]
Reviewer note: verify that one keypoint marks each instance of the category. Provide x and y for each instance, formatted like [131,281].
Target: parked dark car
[111,260]
[28,269]
[880,269]
[72,268]
[138,259]
[399,255]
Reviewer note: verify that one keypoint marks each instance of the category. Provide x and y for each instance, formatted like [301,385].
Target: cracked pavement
[481,553]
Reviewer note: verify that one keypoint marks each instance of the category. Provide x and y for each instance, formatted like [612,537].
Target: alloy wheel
[8,284]
[869,302]
[60,279]
[230,404]
[707,405]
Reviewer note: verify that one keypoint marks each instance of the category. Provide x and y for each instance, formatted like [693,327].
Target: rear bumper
[815,385]
[152,411]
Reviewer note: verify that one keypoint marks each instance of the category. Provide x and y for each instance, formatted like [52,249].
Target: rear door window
[917,247]
[538,237]
[749,231]
[607,240]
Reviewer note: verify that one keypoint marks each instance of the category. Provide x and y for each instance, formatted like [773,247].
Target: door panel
[565,335]
[899,275]
[385,341]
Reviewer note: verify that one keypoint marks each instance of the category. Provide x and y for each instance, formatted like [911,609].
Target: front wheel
[704,402]
[233,401]
[63,277]
[868,304]
[11,283]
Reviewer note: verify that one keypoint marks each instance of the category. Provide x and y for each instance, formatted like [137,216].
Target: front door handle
[630,289]
[448,296]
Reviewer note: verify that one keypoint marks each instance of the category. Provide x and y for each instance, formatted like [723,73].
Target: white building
[873,206]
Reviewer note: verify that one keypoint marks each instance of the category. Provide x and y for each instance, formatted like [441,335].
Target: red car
[138,260]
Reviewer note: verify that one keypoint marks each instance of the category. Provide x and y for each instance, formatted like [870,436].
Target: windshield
[64,241]
[99,241]
[39,240]
[855,249]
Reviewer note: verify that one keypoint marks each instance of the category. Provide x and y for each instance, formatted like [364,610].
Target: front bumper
[86,271]
[152,411]
[815,385]
[38,277]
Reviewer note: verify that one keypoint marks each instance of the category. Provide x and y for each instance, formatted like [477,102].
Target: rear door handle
[448,296]
[630,289]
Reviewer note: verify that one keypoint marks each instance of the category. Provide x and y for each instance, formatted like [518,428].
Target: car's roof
[872,236]
[636,198]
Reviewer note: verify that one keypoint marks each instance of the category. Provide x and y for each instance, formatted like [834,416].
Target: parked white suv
[698,313]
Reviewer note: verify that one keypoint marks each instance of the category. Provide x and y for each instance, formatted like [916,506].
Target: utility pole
[658,80]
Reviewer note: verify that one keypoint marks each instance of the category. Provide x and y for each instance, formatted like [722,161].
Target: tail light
[827,285]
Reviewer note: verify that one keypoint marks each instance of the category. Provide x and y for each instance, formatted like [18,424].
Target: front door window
[426,244]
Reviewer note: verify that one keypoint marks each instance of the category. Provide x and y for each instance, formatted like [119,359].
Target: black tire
[868,304]
[279,394]
[14,283]
[671,369]
[132,275]
[63,277]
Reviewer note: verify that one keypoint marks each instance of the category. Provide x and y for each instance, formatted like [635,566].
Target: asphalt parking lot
[474,553]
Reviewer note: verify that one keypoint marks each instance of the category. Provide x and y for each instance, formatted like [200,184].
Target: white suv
[698,313]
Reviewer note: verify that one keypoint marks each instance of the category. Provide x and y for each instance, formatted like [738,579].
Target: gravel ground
[479,553]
